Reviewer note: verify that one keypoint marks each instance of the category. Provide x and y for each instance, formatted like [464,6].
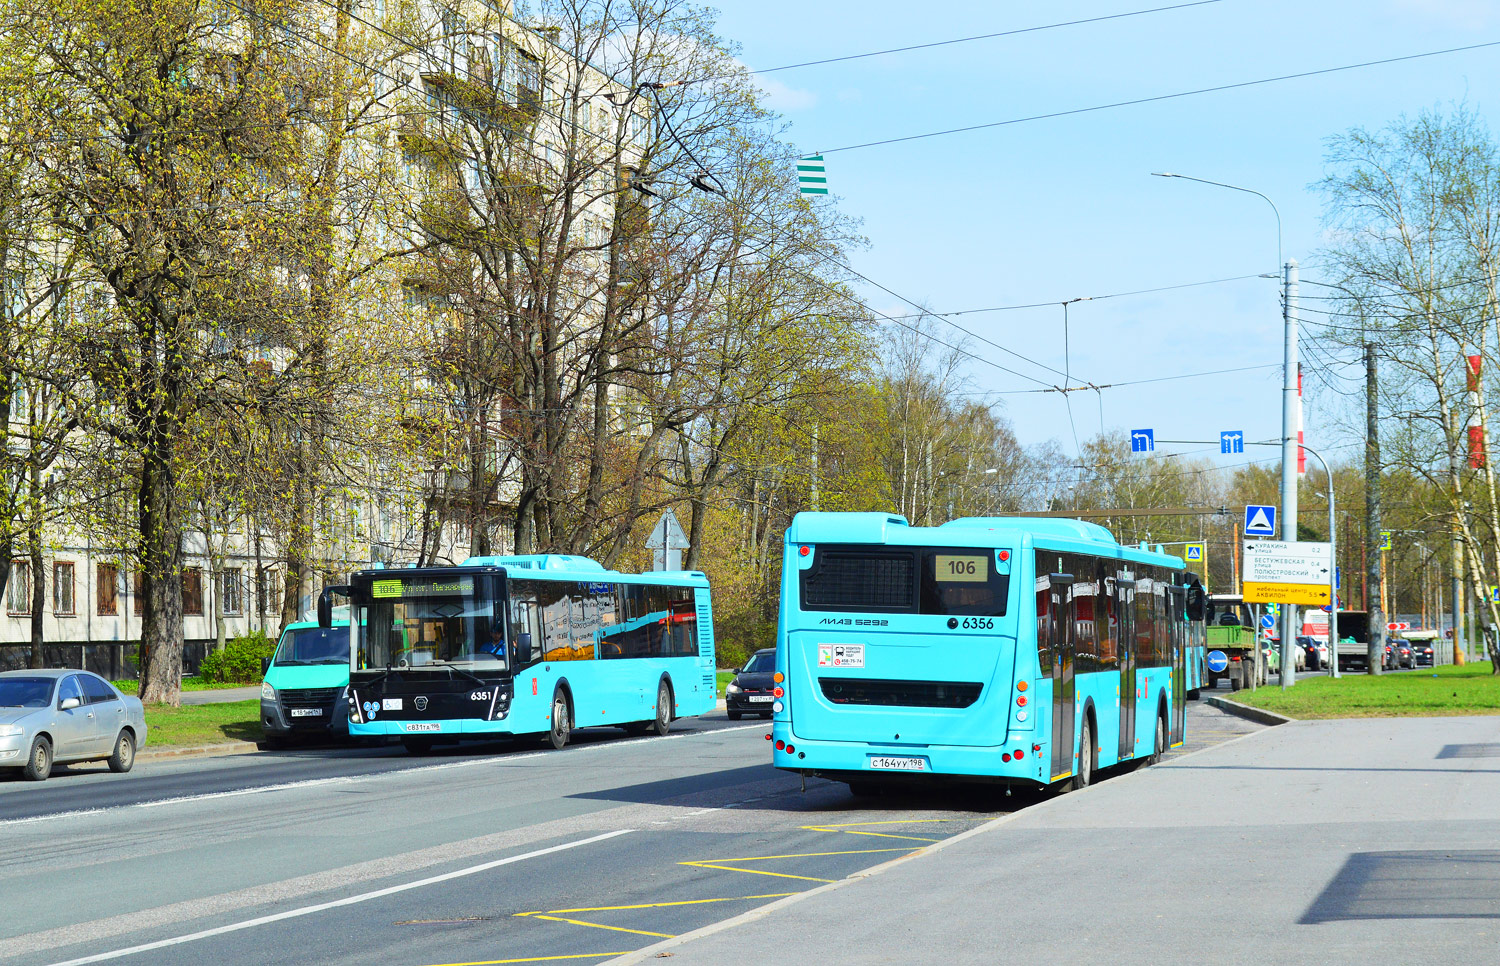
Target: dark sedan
[1421,654]
[1404,656]
[751,691]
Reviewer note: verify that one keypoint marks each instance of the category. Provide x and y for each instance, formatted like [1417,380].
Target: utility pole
[1289,404]
[1373,554]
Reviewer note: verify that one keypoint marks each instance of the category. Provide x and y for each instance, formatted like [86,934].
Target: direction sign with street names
[1282,562]
[1260,521]
[1284,572]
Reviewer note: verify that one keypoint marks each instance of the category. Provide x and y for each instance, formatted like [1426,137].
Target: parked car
[1403,655]
[1422,654]
[62,715]
[304,691]
[751,690]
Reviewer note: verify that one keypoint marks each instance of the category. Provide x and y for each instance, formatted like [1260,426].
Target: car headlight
[732,688]
[267,693]
[11,729]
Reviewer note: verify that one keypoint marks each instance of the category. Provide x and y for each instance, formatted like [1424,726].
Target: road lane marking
[856,828]
[556,915]
[372,776]
[719,863]
[532,959]
[596,925]
[336,903]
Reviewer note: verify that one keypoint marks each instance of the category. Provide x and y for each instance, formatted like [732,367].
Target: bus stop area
[1367,840]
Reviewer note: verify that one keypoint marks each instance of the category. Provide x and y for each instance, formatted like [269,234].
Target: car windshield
[314,645]
[762,662]
[25,692]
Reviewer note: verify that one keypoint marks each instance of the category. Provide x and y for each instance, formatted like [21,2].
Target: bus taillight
[778,692]
[1020,753]
[1021,701]
[780,744]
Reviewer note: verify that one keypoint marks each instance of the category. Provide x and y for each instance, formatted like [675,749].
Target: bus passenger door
[1176,618]
[1063,693]
[1125,618]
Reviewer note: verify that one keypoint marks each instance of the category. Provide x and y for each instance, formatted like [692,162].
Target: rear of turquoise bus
[898,653]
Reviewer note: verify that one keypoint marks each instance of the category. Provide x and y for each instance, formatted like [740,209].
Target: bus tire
[562,720]
[663,721]
[417,746]
[1159,743]
[1194,694]
[864,789]
[735,715]
[1088,756]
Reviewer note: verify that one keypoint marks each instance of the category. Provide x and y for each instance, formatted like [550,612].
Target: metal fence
[115,661]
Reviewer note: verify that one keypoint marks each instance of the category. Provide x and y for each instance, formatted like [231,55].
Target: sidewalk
[221,695]
[1362,841]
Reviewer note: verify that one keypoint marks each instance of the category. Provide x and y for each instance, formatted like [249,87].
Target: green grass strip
[1424,692]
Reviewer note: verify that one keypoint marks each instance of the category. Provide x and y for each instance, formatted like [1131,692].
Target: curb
[1258,715]
[198,751]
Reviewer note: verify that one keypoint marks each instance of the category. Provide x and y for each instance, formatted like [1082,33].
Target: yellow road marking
[657,905]
[894,821]
[595,925]
[883,835]
[779,875]
[533,959]
[798,855]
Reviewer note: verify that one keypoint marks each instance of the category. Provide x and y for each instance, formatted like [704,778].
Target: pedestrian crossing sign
[1193,553]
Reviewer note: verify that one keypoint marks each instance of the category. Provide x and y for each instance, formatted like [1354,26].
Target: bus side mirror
[325,602]
[523,648]
[1197,602]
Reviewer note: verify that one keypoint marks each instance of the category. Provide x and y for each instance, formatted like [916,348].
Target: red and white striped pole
[1476,425]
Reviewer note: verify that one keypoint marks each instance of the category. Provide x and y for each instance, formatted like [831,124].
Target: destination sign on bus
[399,587]
[962,569]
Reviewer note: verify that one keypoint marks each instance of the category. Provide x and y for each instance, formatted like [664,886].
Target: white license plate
[899,764]
[423,726]
[760,699]
[307,712]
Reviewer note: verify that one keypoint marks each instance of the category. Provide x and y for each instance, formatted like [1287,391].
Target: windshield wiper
[453,669]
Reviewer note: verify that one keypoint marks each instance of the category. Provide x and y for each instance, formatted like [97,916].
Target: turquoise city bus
[525,645]
[1023,651]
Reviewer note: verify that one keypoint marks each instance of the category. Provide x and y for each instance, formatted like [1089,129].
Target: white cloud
[782,98]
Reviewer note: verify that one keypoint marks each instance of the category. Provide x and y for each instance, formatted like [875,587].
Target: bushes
[240,660]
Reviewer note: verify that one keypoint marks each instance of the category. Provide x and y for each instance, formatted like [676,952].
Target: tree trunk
[38,588]
[161,564]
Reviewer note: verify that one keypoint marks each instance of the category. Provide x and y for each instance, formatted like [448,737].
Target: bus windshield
[422,620]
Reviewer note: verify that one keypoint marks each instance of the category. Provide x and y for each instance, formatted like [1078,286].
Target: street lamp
[1289,409]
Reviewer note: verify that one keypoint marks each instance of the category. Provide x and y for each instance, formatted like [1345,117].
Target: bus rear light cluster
[1017,755]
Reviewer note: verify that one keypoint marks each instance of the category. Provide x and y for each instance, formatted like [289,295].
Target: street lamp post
[1289,402]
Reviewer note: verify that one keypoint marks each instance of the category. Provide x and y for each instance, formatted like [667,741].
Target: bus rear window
[957,581]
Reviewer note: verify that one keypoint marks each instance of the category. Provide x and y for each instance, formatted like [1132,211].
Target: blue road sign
[1338,578]
[1143,440]
[1260,521]
[1267,621]
[1231,441]
[1193,553]
[1273,609]
[1217,661]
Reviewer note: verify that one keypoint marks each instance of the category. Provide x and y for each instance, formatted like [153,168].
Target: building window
[265,590]
[192,592]
[234,592]
[18,589]
[108,590]
[62,589]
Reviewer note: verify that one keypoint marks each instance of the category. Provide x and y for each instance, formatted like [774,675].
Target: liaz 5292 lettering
[527,645]
[1027,652]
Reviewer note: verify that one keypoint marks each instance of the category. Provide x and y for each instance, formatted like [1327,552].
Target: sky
[1051,210]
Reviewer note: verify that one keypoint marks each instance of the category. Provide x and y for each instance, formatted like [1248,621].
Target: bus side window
[1044,625]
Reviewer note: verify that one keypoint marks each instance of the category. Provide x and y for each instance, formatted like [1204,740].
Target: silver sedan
[61,715]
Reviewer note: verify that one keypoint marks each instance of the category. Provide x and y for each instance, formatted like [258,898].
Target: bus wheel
[864,789]
[1159,748]
[1088,757]
[734,715]
[562,725]
[417,746]
[663,722]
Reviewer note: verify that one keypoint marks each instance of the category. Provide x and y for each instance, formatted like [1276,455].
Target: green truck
[1230,630]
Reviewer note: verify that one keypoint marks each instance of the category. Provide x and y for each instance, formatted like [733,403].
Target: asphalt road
[492,855]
